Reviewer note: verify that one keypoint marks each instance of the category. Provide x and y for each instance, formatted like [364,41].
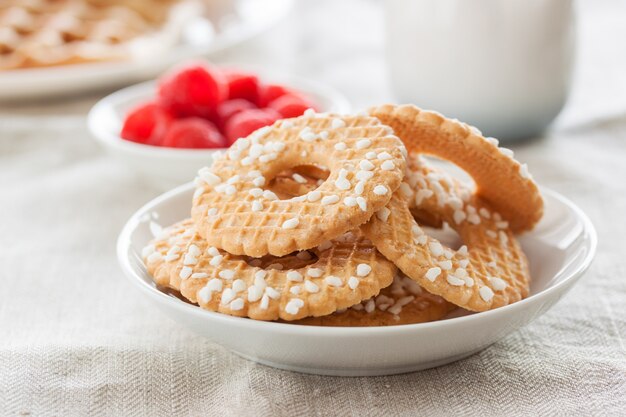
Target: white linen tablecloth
[77,340]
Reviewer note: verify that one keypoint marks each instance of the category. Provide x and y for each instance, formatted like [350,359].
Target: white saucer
[199,38]
[169,167]
[560,250]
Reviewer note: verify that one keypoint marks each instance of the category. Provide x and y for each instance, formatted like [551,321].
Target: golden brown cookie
[335,275]
[162,254]
[403,302]
[488,271]
[42,33]
[233,212]
[499,179]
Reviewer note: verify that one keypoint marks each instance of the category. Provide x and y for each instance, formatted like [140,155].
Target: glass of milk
[501,65]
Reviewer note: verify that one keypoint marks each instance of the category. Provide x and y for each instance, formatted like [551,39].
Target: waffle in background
[40,33]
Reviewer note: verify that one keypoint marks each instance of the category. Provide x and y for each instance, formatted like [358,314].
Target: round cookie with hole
[234,211]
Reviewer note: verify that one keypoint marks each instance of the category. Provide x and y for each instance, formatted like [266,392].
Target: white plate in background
[199,39]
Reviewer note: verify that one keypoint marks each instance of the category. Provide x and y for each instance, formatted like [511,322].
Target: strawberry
[194,90]
[229,108]
[270,92]
[290,105]
[146,123]
[247,121]
[242,85]
[193,132]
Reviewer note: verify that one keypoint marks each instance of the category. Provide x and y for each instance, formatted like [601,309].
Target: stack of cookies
[319,220]
[42,33]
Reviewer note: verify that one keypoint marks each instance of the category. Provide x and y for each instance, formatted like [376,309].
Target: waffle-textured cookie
[488,271]
[36,33]
[500,179]
[162,254]
[403,302]
[232,211]
[336,275]
[297,182]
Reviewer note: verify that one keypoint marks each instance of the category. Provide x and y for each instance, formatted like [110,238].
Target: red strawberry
[229,108]
[193,132]
[247,121]
[290,105]
[242,85]
[194,90]
[270,92]
[146,123]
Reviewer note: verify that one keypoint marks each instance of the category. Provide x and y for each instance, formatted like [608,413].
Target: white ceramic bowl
[560,249]
[168,167]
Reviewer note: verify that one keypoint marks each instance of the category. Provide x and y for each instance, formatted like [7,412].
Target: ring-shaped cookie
[488,271]
[403,302]
[500,179]
[162,254]
[366,164]
[347,270]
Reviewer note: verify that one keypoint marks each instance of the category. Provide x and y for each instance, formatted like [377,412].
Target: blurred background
[343,45]
[516,71]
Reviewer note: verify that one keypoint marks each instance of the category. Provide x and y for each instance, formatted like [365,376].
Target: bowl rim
[123,244]
[146,90]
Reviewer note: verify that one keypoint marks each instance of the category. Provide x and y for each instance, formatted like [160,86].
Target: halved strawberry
[247,121]
[242,85]
[194,90]
[290,105]
[146,123]
[193,132]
